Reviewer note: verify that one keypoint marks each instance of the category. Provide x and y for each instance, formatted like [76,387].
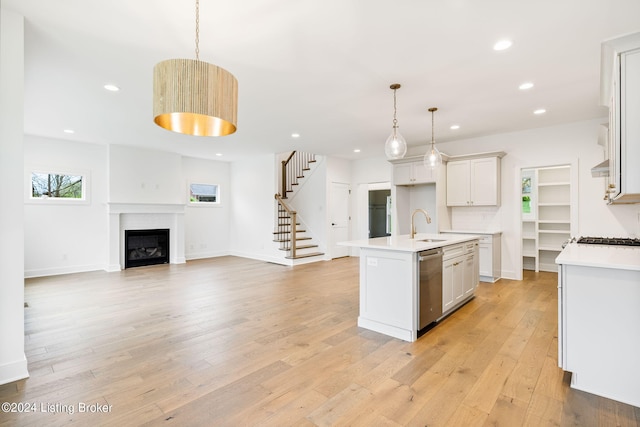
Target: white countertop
[402,243]
[472,231]
[605,256]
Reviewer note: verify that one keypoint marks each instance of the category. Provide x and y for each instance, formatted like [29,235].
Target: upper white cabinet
[474,180]
[411,171]
[620,91]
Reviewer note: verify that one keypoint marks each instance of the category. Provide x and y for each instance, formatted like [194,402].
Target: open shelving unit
[547,223]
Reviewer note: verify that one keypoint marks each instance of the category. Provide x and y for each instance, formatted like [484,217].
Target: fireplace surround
[146,247]
[144,216]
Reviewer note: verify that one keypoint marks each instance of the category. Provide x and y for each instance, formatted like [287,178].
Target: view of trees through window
[57,186]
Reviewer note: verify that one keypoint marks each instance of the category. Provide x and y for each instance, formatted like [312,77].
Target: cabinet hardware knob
[612,186]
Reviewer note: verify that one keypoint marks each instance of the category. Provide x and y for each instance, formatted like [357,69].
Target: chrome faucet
[413,228]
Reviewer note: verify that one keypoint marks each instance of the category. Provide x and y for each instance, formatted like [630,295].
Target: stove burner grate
[616,241]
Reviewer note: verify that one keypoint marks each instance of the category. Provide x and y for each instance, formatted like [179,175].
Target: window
[58,186]
[204,193]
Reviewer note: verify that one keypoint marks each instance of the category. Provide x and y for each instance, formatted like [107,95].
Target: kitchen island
[599,319]
[391,277]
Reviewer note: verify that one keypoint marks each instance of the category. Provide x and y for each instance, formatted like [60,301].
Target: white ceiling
[319,68]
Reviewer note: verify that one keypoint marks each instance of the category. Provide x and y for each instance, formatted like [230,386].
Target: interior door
[339,216]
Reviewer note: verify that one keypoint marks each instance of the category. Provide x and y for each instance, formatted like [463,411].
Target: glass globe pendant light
[432,158]
[396,146]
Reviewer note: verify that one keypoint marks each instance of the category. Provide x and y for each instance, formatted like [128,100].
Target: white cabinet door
[629,123]
[422,174]
[474,182]
[458,279]
[484,182]
[412,173]
[458,175]
[486,259]
[469,276]
[403,174]
[453,276]
[447,285]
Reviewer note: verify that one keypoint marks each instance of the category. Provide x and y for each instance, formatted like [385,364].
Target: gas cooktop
[619,241]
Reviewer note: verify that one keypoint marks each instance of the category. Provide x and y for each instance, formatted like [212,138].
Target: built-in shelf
[546,224]
[550,184]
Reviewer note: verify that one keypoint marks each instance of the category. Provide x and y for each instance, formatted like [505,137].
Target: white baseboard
[14,371]
[203,255]
[511,275]
[260,257]
[55,271]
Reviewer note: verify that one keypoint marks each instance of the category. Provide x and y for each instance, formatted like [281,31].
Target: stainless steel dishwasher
[430,290]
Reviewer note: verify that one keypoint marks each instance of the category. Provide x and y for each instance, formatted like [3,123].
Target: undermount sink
[431,240]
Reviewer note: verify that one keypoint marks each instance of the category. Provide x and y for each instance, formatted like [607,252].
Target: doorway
[379,213]
[340,218]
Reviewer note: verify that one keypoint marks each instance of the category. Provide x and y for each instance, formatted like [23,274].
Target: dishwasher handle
[430,256]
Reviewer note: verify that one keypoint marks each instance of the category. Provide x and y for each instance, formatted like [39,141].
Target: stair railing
[293,169]
[282,227]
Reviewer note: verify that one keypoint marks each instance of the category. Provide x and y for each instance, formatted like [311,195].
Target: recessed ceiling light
[502,45]
[295,135]
[357,150]
[69,131]
[540,111]
[111,87]
[525,86]
[218,154]
[454,127]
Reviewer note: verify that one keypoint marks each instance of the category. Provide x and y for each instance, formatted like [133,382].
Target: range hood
[600,170]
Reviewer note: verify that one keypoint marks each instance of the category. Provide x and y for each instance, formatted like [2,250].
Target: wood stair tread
[289,232]
[299,247]
[288,240]
[306,255]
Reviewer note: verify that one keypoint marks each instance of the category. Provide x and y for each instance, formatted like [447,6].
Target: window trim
[215,204]
[86,180]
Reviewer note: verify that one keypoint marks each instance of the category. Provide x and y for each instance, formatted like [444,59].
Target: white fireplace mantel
[140,216]
[137,208]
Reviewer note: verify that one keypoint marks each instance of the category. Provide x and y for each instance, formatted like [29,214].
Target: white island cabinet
[390,279]
[489,253]
[599,319]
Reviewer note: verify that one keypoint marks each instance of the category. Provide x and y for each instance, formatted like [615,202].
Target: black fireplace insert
[146,247]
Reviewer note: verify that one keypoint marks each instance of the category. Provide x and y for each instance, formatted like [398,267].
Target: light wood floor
[235,342]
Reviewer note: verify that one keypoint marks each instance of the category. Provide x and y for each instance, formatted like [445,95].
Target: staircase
[291,236]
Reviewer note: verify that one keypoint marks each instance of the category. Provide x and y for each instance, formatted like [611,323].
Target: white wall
[309,202]
[13,364]
[139,175]
[65,236]
[207,226]
[253,186]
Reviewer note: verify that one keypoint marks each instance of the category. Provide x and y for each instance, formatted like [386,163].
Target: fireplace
[146,247]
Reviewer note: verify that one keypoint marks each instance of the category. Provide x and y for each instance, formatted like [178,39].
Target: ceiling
[318,68]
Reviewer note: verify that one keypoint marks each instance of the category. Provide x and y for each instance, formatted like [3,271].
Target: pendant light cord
[433,140]
[197,30]
[395,121]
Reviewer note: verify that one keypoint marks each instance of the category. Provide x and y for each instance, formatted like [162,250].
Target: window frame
[86,179]
[196,203]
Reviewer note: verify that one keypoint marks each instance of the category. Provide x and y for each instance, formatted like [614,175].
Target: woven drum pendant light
[194,97]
